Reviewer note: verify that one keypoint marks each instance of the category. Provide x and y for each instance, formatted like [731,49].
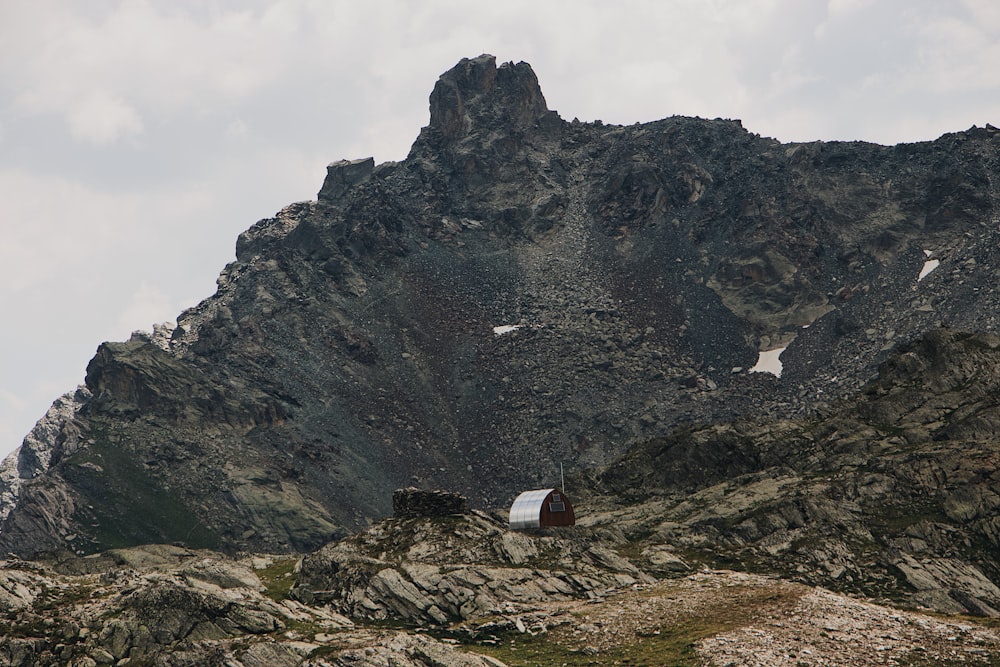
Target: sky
[138,138]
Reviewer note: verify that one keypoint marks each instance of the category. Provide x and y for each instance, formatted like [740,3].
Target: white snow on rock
[769,361]
[505,328]
[929,266]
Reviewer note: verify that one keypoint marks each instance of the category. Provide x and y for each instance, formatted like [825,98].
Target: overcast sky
[139,138]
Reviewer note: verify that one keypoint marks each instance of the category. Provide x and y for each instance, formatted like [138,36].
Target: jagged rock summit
[476,94]
[520,291]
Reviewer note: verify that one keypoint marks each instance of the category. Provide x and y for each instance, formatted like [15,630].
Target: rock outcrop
[170,606]
[434,572]
[167,606]
[892,494]
[55,436]
[476,95]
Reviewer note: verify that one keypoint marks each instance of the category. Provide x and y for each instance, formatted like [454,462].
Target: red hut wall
[556,510]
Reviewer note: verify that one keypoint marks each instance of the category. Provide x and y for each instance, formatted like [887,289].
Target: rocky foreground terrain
[453,591]
[524,291]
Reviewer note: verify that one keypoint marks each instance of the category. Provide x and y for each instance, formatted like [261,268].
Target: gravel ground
[768,622]
[829,629]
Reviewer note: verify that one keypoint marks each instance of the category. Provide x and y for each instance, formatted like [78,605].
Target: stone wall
[413,502]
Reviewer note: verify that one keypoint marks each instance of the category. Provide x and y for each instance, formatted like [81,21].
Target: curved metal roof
[527,509]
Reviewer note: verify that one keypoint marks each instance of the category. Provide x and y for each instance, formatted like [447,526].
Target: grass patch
[52,599]
[671,642]
[278,578]
[44,618]
[919,659]
[673,645]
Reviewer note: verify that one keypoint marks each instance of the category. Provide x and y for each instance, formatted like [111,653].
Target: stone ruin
[412,502]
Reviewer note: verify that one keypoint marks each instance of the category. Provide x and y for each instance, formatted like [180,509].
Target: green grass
[673,646]
[278,578]
[919,659]
[43,618]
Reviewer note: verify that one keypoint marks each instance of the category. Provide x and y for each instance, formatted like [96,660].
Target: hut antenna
[562,480]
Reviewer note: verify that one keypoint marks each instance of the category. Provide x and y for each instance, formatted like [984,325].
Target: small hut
[543,507]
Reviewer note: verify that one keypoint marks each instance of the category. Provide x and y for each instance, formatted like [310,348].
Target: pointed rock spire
[476,94]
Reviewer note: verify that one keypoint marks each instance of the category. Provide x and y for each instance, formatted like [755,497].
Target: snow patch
[769,361]
[929,266]
[505,328]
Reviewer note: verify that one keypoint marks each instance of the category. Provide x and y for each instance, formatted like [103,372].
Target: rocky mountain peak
[476,93]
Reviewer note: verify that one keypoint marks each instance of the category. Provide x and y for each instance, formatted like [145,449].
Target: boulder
[343,175]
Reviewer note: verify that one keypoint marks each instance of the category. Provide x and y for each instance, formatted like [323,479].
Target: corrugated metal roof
[527,508]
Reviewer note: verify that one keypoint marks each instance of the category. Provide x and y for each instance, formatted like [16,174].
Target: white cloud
[53,226]
[957,54]
[169,58]
[237,129]
[844,8]
[10,400]
[985,13]
[102,119]
[281,19]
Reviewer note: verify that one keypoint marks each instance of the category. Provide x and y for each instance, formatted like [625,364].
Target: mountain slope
[893,493]
[351,348]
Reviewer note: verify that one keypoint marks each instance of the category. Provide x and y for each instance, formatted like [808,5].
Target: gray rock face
[519,291]
[444,570]
[167,606]
[476,94]
[892,494]
[343,175]
[55,436]
[157,610]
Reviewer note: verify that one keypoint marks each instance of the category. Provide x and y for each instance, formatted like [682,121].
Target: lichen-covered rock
[157,605]
[438,571]
[893,494]
[343,175]
[56,435]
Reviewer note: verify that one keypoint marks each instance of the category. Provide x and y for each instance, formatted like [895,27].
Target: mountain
[522,291]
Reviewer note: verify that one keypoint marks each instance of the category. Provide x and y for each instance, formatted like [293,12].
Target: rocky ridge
[477,568]
[893,493]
